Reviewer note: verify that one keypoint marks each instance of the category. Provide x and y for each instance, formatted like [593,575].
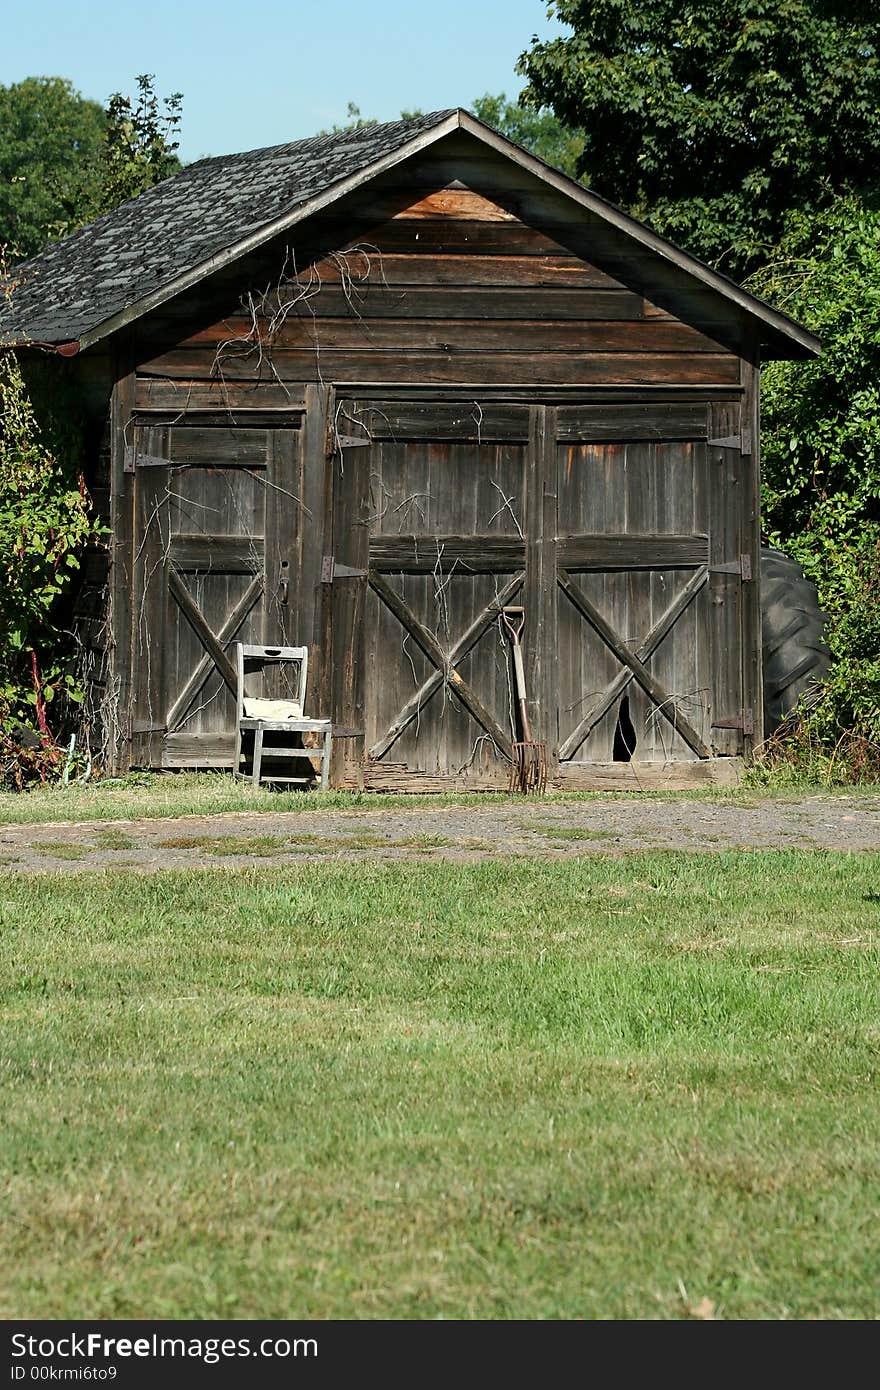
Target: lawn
[632,1087]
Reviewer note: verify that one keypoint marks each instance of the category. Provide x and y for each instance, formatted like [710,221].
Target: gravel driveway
[542,829]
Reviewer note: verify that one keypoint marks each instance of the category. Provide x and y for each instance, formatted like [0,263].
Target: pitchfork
[528,768]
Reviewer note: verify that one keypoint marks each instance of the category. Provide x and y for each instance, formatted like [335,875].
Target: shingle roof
[153,247]
[137,248]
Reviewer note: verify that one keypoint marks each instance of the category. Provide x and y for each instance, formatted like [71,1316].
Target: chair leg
[325,763]
[258,755]
[236,760]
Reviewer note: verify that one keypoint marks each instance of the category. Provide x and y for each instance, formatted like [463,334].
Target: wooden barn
[359,393]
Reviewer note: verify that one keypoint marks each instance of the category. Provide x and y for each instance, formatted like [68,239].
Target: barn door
[430,518]
[642,616]
[217,523]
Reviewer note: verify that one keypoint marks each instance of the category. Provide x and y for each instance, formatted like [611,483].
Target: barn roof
[144,252]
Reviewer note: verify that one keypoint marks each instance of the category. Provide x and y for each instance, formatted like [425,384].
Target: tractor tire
[796,660]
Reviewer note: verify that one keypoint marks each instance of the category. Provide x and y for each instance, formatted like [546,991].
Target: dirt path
[543,829]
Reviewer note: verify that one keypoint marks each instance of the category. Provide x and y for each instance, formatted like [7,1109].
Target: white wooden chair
[260,715]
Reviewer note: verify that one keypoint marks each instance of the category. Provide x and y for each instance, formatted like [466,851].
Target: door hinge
[742,567]
[338,442]
[331,569]
[741,441]
[132,460]
[745,722]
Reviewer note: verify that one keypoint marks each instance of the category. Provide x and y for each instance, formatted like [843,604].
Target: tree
[139,144]
[820,443]
[538,131]
[710,119]
[65,160]
[50,143]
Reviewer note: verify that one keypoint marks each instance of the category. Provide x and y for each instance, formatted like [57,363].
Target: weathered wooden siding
[494,402]
[450,285]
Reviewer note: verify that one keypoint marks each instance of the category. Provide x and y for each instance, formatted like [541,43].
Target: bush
[45,520]
[820,443]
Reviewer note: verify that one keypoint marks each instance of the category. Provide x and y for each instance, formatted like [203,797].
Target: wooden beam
[633,552]
[217,554]
[469,554]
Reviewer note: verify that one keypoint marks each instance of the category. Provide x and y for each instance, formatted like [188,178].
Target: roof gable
[152,248]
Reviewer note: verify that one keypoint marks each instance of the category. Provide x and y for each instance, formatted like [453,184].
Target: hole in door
[624,735]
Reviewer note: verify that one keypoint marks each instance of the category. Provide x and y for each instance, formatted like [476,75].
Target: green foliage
[64,160]
[44,522]
[711,120]
[50,144]
[821,445]
[537,131]
[140,144]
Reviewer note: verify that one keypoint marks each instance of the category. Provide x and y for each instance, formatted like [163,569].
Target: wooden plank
[116,709]
[197,622]
[643,651]
[314,541]
[217,554]
[397,778]
[444,204]
[481,554]
[218,397]
[561,272]
[444,237]
[351,503]
[652,687]
[194,445]
[361,331]
[540,632]
[222,420]
[644,776]
[149,598]
[598,424]
[471,369]
[750,504]
[465,643]
[198,750]
[455,420]
[632,552]
[432,649]
[724,482]
[551,393]
[205,667]
[382,299]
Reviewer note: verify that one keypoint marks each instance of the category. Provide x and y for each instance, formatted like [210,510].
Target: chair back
[287,666]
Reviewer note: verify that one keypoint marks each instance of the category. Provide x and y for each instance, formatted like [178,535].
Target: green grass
[60,849]
[113,839]
[549,831]
[155,795]
[641,1087]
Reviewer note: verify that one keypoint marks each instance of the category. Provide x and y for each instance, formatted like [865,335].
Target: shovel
[528,768]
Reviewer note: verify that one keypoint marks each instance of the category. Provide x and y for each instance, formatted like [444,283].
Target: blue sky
[262,73]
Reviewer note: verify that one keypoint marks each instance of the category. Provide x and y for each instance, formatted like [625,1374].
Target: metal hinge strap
[742,567]
[132,460]
[331,569]
[741,441]
[745,722]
